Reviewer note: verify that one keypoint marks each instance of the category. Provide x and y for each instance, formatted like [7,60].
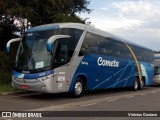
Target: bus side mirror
[10,41]
[52,39]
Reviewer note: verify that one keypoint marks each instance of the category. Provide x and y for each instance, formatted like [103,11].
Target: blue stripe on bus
[42,28]
[123,70]
[32,75]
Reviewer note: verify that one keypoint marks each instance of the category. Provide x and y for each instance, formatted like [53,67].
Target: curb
[12,93]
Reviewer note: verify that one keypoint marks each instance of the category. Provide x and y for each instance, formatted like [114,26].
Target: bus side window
[62,54]
[73,40]
[90,44]
[110,44]
[84,49]
[104,47]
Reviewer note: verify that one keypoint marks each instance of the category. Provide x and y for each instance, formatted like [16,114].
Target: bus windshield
[33,55]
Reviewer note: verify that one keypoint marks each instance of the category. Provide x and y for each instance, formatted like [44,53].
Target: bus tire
[136,84]
[78,88]
[141,84]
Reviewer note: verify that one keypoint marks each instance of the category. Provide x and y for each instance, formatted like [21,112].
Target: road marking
[88,104]
[153,92]
[112,100]
[143,94]
[130,96]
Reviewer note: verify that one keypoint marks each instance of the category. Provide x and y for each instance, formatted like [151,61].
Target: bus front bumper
[33,85]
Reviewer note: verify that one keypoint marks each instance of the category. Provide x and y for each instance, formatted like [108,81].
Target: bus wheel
[78,88]
[136,84]
[141,84]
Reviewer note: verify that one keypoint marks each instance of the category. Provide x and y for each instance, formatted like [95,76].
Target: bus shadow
[111,91]
[155,85]
[87,94]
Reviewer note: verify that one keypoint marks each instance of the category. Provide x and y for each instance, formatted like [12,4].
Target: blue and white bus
[73,57]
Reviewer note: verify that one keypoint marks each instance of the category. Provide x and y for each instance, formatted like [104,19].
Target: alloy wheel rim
[136,85]
[78,88]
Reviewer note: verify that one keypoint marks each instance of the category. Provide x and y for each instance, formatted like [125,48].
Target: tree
[57,11]
[37,12]
[19,15]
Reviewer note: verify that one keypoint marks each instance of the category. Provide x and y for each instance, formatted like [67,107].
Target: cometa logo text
[102,62]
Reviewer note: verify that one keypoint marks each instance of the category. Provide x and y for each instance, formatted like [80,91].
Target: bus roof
[83,27]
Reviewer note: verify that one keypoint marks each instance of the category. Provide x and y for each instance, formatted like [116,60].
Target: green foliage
[36,12]
[5,77]
[6,63]
[6,33]
[6,88]
[50,11]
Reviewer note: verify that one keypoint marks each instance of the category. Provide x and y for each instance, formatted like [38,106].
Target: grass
[6,88]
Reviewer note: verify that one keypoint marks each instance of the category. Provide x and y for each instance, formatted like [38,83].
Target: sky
[134,20]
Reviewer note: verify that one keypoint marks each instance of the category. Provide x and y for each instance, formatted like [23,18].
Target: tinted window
[95,44]
[120,48]
[65,47]
[143,54]
[107,46]
[90,44]
[75,36]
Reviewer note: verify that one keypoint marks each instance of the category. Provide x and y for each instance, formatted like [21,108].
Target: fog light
[43,87]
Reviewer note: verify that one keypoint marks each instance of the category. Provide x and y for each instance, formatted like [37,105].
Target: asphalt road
[115,100]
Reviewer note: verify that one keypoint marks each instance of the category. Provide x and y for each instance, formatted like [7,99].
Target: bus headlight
[45,78]
[13,77]
[42,79]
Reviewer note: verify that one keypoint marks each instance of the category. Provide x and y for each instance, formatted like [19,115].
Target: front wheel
[78,88]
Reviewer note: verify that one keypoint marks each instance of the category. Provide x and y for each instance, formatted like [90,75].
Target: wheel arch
[84,80]
[143,78]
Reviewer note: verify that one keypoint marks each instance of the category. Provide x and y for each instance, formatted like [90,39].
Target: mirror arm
[54,38]
[10,41]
